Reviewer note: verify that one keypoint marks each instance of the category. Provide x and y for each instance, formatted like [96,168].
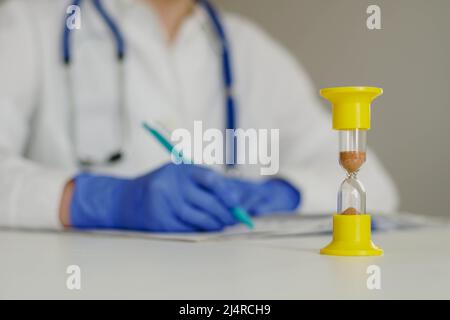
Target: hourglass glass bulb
[352,149]
[351,197]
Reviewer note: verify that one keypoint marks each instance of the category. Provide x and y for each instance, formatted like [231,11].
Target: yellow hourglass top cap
[351,106]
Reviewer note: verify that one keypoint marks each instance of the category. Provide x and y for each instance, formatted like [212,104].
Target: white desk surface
[416,264]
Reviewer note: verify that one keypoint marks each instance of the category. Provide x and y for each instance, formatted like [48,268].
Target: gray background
[409,58]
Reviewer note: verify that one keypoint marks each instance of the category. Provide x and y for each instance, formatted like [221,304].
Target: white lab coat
[173,85]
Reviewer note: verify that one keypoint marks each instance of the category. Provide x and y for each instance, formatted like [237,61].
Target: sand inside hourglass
[352,160]
[350,211]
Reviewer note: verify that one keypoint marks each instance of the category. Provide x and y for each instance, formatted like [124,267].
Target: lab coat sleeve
[29,193]
[277,93]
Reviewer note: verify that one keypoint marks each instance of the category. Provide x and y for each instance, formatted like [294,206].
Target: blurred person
[72,149]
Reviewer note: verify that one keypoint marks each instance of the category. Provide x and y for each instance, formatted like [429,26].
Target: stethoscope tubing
[120,45]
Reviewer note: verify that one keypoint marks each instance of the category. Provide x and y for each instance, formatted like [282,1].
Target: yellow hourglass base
[351,237]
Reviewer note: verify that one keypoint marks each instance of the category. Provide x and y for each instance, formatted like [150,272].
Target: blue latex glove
[271,196]
[173,198]
[258,198]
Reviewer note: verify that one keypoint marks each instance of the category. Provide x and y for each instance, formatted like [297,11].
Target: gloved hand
[266,197]
[175,198]
[258,198]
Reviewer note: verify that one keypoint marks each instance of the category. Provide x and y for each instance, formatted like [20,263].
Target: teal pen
[239,213]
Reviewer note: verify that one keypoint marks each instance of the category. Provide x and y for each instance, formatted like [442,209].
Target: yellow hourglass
[351,223]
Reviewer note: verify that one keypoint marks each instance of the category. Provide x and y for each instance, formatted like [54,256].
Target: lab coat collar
[135,13]
[195,24]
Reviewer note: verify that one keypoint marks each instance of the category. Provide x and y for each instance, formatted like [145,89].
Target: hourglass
[351,223]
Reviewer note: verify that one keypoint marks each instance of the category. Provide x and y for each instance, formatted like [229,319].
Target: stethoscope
[121,52]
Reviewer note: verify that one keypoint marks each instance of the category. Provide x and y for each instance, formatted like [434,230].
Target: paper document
[286,225]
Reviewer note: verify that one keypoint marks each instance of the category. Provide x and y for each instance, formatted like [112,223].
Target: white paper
[285,225]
